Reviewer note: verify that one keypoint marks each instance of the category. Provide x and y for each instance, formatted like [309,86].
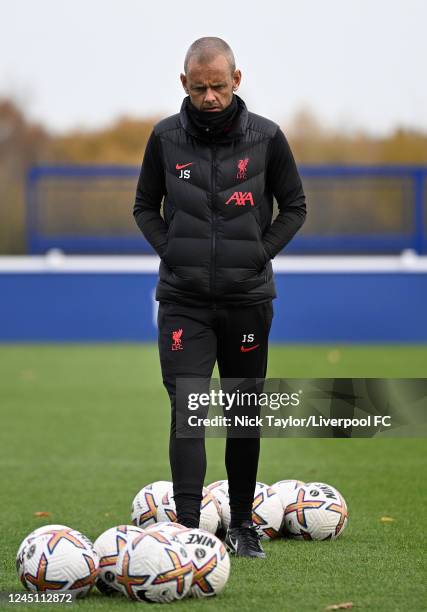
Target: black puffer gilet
[217,208]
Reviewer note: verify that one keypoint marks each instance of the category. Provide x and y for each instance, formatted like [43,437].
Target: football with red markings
[60,560]
[316,511]
[146,503]
[267,508]
[285,489]
[219,490]
[211,563]
[210,518]
[108,546]
[154,567]
[26,542]
[267,512]
[166,527]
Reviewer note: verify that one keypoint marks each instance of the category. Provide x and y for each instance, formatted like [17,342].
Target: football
[267,509]
[219,490]
[24,544]
[267,512]
[60,560]
[166,527]
[154,567]
[316,511]
[108,545]
[285,489]
[210,519]
[211,563]
[146,503]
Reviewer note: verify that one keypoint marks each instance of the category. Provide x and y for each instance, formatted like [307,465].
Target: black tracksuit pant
[209,335]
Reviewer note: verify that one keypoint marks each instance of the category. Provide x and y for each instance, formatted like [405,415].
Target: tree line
[24,143]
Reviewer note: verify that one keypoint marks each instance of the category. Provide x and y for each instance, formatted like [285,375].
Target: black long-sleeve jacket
[215,238]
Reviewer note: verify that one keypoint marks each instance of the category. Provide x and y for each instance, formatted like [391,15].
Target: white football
[219,490]
[267,509]
[209,510]
[216,484]
[211,563]
[146,503]
[285,489]
[316,512]
[267,512]
[154,567]
[166,527]
[24,544]
[108,546]
[60,560]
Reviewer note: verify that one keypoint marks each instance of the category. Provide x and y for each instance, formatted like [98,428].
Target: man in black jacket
[216,167]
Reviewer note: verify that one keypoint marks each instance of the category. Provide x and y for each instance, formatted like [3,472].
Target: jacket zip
[213,213]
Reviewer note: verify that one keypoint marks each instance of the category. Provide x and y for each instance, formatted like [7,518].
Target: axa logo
[240,198]
[242,165]
[176,340]
[184,174]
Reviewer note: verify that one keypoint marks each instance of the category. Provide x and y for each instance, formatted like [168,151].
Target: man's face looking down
[210,85]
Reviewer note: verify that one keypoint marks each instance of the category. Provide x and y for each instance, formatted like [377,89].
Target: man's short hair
[205,49]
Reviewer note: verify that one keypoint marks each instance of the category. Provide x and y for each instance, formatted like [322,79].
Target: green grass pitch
[84,427]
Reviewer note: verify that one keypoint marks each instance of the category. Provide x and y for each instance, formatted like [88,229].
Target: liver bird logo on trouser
[176,340]
[242,165]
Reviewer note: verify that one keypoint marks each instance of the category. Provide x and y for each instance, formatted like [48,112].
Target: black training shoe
[244,541]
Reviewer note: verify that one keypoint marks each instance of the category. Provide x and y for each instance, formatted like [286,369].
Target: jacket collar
[238,128]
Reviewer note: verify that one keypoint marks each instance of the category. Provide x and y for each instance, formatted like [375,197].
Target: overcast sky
[82,63]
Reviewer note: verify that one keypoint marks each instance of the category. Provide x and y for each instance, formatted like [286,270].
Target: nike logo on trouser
[246,349]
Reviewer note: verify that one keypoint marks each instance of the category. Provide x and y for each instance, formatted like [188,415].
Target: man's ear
[237,77]
[184,82]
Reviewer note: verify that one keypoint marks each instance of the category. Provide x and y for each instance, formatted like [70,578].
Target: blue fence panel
[352,209]
[87,307]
